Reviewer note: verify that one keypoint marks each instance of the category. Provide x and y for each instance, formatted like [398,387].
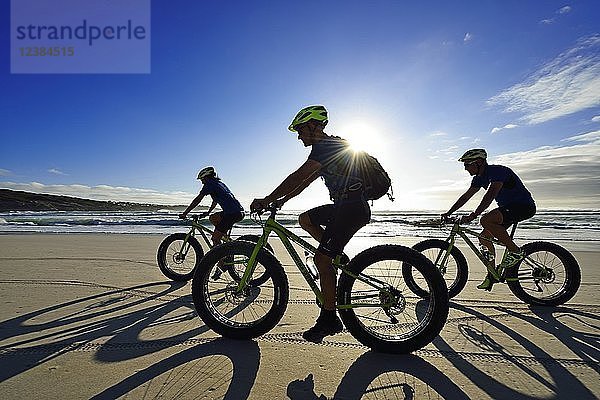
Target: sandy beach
[91,316]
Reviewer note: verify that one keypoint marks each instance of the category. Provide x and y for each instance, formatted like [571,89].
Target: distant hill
[13,200]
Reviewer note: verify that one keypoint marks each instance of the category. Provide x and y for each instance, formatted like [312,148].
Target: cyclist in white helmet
[515,204]
[221,195]
[332,225]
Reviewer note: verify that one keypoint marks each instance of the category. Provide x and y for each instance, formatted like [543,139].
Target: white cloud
[561,176]
[596,118]
[584,137]
[564,10]
[563,86]
[4,172]
[565,176]
[507,126]
[438,133]
[56,171]
[105,193]
[560,11]
[448,150]
[468,37]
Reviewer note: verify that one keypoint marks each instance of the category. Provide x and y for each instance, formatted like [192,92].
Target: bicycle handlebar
[195,217]
[272,208]
[438,222]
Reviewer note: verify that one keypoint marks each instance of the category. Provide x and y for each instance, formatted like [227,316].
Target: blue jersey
[513,191]
[222,195]
[335,158]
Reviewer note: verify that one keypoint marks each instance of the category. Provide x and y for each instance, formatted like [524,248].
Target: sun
[362,136]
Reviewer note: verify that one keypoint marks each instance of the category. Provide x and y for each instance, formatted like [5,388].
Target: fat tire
[571,270]
[262,278]
[163,263]
[456,285]
[219,322]
[437,313]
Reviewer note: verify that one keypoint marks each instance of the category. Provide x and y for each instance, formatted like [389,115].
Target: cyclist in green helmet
[515,204]
[332,225]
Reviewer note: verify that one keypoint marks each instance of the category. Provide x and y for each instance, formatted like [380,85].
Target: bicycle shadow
[555,377]
[124,316]
[74,324]
[583,344]
[386,376]
[212,376]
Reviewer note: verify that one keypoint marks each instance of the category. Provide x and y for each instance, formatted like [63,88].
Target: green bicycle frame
[196,226]
[287,237]
[463,232]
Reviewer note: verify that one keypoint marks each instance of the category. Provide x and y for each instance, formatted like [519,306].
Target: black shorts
[513,213]
[341,222]
[227,221]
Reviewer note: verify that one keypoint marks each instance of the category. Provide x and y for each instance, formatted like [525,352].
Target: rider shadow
[560,382]
[121,314]
[385,376]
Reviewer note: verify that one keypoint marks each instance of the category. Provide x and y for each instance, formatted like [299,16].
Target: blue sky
[416,84]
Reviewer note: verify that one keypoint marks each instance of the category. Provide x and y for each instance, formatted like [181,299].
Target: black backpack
[375,180]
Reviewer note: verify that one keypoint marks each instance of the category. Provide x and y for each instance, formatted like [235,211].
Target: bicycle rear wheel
[548,276]
[383,313]
[236,314]
[455,270]
[177,258]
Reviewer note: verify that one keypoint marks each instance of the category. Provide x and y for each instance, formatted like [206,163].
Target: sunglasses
[468,164]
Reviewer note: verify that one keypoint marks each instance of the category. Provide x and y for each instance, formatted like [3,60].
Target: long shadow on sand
[197,372]
[385,376]
[556,378]
[125,316]
[121,314]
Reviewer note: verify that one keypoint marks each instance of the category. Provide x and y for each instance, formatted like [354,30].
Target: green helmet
[318,113]
[473,154]
[207,172]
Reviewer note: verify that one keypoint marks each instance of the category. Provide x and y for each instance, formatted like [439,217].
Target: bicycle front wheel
[239,313]
[236,272]
[177,257]
[548,276]
[378,308]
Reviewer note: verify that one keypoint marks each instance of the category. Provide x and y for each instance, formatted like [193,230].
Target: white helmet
[473,154]
[207,172]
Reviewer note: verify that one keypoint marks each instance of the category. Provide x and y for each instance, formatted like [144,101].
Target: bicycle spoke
[238,308]
[379,309]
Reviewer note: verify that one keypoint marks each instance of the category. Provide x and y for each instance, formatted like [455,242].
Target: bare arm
[466,196]
[212,207]
[488,197]
[293,185]
[192,205]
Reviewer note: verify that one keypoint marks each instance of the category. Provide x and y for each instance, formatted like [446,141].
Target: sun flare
[362,137]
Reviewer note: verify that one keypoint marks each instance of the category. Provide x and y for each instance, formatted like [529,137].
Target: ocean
[563,225]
